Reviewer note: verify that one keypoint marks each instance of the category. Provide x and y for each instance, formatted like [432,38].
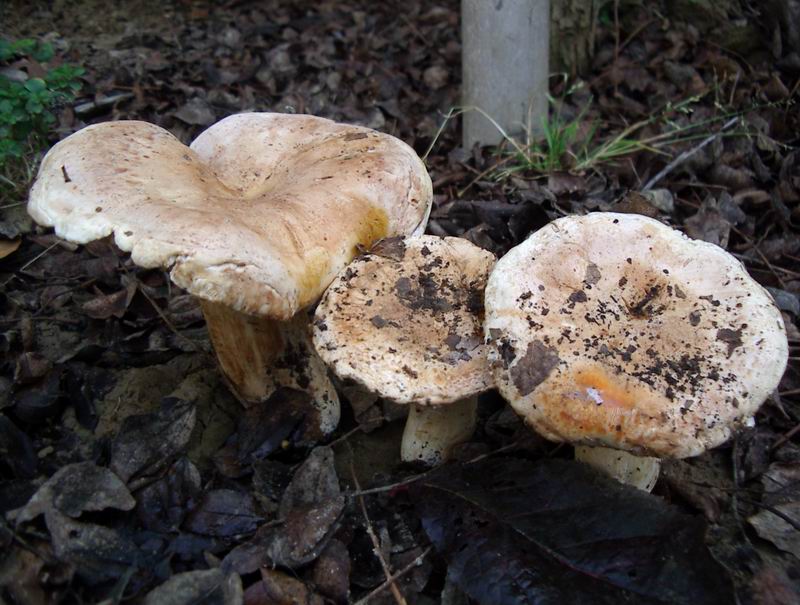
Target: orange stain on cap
[602,390]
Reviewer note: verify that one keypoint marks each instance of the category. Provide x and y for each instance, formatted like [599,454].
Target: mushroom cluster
[405,322]
[255,218]
[616,331]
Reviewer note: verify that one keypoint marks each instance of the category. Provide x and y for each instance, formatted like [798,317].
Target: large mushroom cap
[405,321]
[259,214]
[615,330]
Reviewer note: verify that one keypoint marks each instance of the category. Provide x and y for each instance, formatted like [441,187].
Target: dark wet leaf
[78,488]
[30,578]
[99,553]
[30,367]
[37,402]
[779,522]
[557,532]
[209,587]
[270,479]
[224,513]
[331,572]
[276,588]
[163,505]
[308,513]
[14,494]
[149,442]
[110,305]
[16,450]
[310,507]
[263,428]
[709,224]
[196,112]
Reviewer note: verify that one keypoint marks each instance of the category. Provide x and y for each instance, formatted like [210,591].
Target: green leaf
[35,85]
[34,106]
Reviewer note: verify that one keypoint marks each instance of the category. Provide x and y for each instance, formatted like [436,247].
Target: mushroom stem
[258,355]
[432,431]
[246,346]
[638,471]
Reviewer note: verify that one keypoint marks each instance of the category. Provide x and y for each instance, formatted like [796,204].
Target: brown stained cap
[405,320]
[259,214]
[615,330]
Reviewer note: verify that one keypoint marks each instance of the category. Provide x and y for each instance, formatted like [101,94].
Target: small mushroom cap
[259,214]
[405,320]
[615,330]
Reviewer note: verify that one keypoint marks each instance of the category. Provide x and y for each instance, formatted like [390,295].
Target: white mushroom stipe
[639,471]
[432,431]
[256,217]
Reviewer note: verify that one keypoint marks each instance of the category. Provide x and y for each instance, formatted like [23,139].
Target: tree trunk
[505,64]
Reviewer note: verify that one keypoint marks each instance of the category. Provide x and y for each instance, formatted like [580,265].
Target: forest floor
[123,444]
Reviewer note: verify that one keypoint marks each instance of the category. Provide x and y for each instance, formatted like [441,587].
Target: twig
[395,576]
[195,345]
[387,488]
[438,133]
[483,174]
[748,259]
[765,260]
[344,437]
[376,545]
[785,437]
[415,478]
[687,154]
[774,511]
[33,260]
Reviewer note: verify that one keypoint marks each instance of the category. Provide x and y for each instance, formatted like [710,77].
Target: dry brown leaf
[8,246]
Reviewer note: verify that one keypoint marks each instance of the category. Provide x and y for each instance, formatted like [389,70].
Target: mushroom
[615,331]
[255,218]
[404,321]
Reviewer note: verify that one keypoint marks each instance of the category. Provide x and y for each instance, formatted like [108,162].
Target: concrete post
[505,52]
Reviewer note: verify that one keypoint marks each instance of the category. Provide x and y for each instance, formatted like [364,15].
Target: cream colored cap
[259,214]
[615,330]
[405,320]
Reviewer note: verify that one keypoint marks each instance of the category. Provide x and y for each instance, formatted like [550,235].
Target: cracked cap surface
[616,330]
[259,214]
[405,320]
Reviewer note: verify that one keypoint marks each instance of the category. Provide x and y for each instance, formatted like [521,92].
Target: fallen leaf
[555,531]
[309,509]
[110,305]
[148,442]
[163,505]
[276,588]
[224,513]
[209,587]
[78,488]
[17,450]
[30,367]
[22,571]
[331,572]
[35,403]
[9,246]
[98,553]
[780,522]
[196,112]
